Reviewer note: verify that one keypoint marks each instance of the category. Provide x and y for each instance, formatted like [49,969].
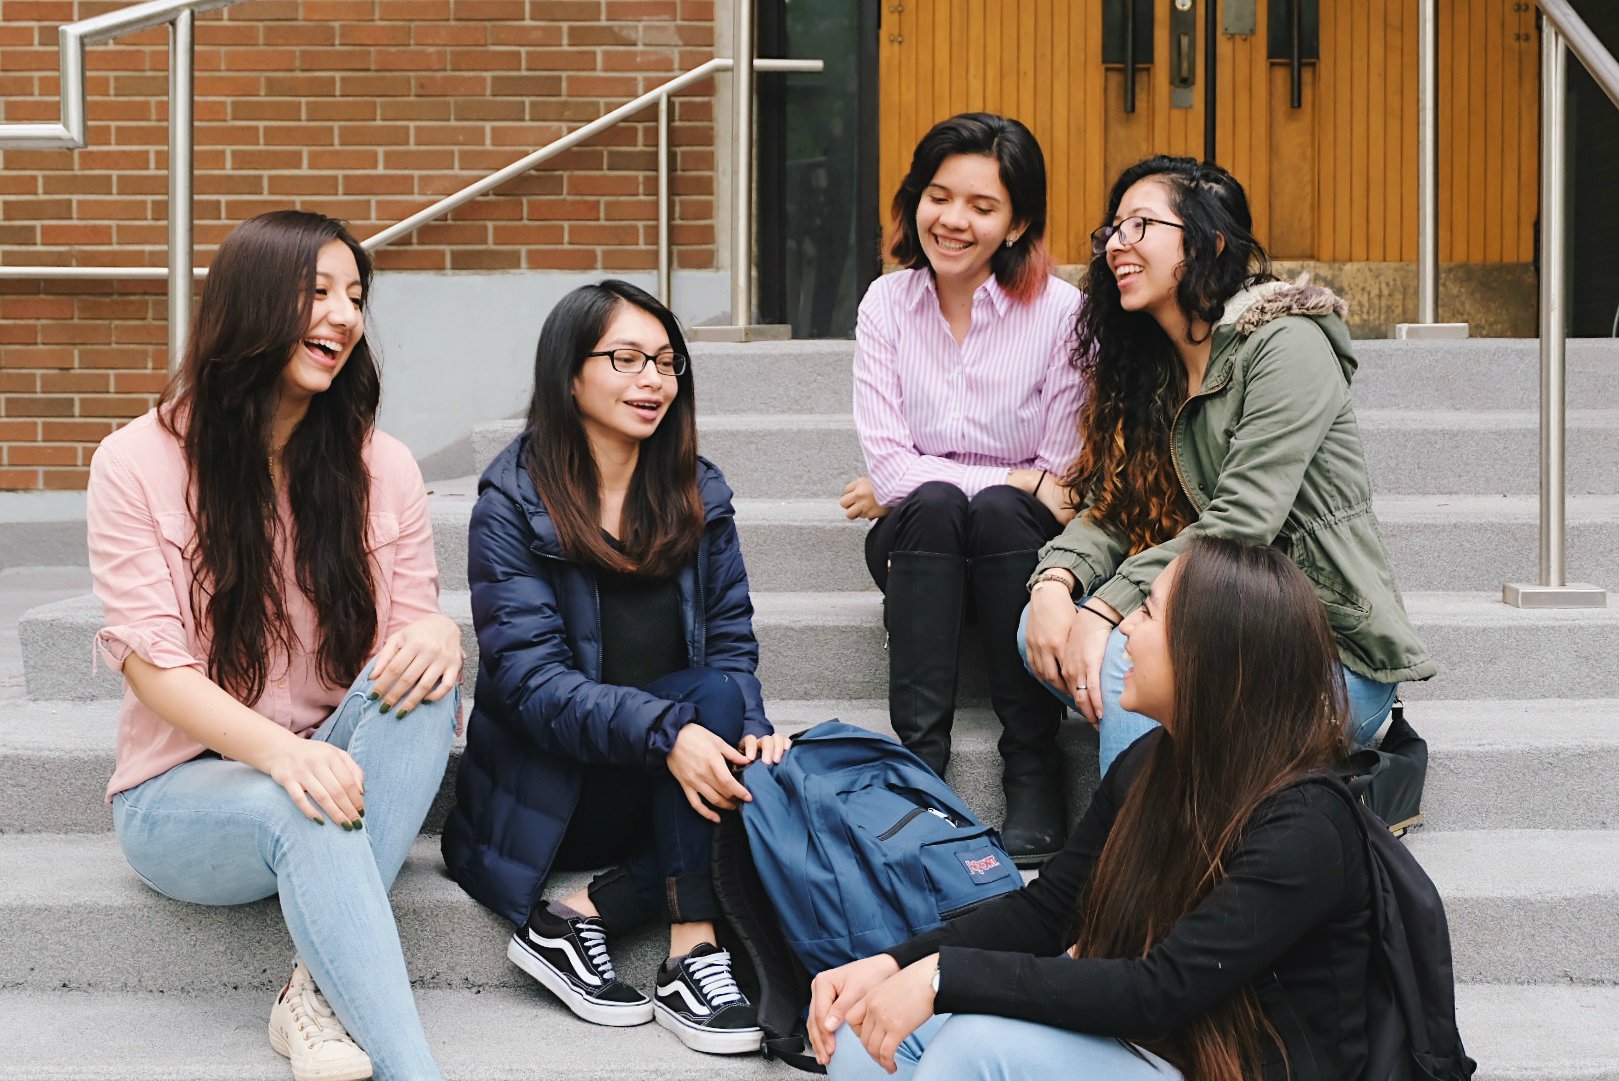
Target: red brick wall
[365,109]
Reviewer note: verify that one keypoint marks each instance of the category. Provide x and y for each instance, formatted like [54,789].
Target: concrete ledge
[1524,906]
[1408,450]
[1518,1033]
[831,646]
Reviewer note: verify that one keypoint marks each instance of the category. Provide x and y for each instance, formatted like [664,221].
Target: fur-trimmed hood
[1259,305]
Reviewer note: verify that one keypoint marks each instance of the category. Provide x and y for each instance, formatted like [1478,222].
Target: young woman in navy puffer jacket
[616,684]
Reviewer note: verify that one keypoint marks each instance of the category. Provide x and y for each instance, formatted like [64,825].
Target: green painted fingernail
[375,696]
[358,824]
[362,809]
[348,827]
[319,821]
[385,708]
[401,714]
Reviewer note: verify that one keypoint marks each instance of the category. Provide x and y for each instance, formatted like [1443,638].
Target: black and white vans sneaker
[699,1001]
[569,958]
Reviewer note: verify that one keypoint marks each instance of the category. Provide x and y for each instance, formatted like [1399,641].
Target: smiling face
[1149,686]
[615,407]
[336,324]
[964,215]
[1149,269]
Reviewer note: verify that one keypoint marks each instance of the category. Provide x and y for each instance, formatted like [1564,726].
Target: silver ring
[1082,687]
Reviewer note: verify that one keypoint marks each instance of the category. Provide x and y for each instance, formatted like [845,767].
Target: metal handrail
[180,15]
[1561,30]
[72,39]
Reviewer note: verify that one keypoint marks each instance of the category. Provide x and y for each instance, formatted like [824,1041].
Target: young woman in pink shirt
[256,544]
[965,400]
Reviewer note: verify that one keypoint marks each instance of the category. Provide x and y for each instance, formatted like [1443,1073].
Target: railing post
[665,255]
[182,86]
[1427,324]
[1553,591]
[742,327]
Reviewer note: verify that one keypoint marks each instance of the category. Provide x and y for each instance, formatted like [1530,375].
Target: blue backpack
[860,846]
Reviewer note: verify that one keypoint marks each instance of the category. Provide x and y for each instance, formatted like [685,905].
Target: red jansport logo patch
[983,866]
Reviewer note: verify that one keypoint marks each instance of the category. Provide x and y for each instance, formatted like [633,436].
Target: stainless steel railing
[180,16]
[1561,30]
[72,40]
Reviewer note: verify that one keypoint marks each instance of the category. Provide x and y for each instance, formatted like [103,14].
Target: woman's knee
[719,701]
[933,518]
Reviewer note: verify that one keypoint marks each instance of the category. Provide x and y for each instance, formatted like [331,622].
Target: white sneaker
[304,1030]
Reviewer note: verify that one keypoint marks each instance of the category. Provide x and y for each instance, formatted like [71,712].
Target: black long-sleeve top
[1291,918]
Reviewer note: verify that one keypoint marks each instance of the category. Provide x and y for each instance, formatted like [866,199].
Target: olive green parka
[1268,451]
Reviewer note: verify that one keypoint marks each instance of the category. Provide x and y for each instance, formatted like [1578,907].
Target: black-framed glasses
[1130,230]
[634,362]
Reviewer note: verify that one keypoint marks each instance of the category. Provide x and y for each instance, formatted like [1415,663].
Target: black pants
[663,847]
[938,517]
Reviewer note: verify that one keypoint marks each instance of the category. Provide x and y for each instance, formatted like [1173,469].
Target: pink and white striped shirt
[929,409]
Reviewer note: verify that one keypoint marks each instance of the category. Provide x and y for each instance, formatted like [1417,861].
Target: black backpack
[1411,996]
[769,973]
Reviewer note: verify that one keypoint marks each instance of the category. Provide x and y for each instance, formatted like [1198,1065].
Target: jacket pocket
[1347,611]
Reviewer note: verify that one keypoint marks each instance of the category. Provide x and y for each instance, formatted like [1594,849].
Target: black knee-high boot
[1031,774]
[923,612]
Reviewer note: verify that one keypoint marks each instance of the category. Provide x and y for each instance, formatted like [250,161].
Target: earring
[1011,240]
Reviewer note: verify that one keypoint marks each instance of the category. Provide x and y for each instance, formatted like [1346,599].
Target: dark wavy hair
[1259,702]
[1135,378]
[1020,269]
[254,312]
[663,510]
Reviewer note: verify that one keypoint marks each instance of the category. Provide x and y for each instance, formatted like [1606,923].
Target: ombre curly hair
[1134,377]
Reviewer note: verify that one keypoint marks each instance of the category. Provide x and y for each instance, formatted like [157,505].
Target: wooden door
[1334,180]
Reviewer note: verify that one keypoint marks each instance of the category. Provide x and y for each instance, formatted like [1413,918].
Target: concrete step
[55,758]
[487,1034]
[1480,373]
[1528,905]
[1524,906]
[831,645]
[1438,542]
[1545,1032]
[1492,765]
[1408,451]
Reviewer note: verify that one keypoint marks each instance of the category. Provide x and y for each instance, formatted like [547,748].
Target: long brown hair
[1258,703]
[1135,379]
[663,512]
[254,311]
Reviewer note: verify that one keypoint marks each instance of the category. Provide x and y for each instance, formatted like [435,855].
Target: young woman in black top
[1210,917]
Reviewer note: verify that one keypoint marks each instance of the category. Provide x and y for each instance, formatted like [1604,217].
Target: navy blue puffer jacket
[540,712]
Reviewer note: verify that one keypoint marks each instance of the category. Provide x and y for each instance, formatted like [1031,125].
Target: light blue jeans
[1369,700]
[976,1047]
[213,832]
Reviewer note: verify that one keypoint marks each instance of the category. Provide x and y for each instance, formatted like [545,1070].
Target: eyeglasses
[1130,230]
[634,362]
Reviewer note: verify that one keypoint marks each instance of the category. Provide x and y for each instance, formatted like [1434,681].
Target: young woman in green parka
[1218,404]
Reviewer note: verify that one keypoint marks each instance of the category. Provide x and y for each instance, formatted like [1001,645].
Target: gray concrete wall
[458,349]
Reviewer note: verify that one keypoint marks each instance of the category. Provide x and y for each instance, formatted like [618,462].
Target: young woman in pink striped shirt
[965,399]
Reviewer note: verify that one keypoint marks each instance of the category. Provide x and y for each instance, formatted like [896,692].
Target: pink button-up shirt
[142,536]
[1006,397]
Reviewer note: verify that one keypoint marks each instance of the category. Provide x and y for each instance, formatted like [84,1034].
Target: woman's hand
[838,990]
[1051,617]
[1056,499]
[317,773]
[699,761]
[859,501]
[418,661]
[770,749]
[1082,659]
[894,1009]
